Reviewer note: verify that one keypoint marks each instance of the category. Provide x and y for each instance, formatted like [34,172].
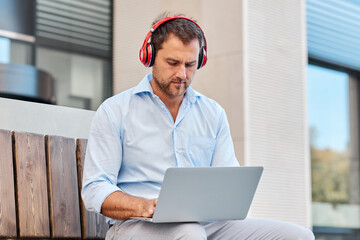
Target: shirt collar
[145,86]
[192,95]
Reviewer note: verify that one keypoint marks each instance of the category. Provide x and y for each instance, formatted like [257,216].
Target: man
[162,122]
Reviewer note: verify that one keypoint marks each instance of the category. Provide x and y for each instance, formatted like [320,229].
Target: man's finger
[151,211]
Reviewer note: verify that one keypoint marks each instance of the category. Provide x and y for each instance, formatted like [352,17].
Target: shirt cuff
[95,195]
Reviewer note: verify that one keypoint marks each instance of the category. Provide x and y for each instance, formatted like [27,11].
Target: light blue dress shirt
[133,140]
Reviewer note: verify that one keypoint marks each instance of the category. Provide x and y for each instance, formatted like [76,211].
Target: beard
[170,88]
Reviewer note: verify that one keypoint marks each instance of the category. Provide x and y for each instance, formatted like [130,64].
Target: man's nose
[181,72]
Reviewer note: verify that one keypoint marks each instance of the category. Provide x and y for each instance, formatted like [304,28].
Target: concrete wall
[256,71]
[44,119]
[276,108]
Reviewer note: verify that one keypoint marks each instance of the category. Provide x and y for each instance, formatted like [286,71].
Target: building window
[74,44]
[81,81]
[13,51]
[71,41]
[333,126]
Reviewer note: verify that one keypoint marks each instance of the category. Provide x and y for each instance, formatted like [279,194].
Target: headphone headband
[147,51]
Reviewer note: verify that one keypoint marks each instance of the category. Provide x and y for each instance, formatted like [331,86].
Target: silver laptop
[206,194]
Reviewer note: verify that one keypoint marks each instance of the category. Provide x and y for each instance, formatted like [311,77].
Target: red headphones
[147,51]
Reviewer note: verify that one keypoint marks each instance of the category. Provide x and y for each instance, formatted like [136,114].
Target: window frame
[331,232]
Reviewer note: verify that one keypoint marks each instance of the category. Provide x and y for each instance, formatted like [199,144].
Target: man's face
[174,67]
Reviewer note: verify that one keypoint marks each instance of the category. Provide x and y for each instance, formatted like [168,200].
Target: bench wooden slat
[63,185]
[31,180]
[7,192]
[94,225]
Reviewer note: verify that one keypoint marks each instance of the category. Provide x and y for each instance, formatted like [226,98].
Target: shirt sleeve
[102,160]
[224,154]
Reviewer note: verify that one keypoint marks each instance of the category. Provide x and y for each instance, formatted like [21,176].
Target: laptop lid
[206,194]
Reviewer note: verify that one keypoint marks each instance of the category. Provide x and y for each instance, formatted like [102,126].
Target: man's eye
[190,65]
[172,63]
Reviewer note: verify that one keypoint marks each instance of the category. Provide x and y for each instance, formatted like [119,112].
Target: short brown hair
[184,29]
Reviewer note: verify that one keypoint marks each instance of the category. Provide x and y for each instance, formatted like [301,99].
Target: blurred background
[287,73]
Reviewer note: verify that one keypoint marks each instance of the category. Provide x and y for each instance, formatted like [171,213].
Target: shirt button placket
[177,143]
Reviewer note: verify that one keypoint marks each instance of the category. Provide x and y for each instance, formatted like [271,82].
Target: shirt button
[162,106]
[177,150]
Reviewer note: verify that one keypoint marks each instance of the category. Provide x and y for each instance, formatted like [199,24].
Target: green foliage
[330,176]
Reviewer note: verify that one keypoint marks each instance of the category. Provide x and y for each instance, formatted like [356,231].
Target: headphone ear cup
[147,52]
[143,54]
[151,55]
[202,58]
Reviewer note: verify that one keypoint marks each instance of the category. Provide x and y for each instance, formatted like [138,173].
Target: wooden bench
[40,183]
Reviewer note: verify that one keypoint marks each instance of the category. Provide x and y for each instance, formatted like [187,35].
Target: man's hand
[119,205]
[149,207]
